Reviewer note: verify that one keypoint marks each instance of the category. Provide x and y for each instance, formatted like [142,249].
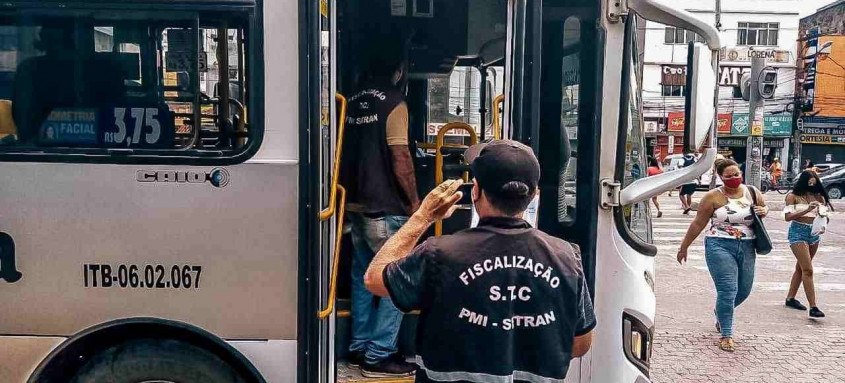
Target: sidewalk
[774,344]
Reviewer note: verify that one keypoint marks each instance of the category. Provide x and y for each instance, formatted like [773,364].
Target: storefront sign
[731,75]
[831,131]
[674,75]
[822,139]
[740,124]
[828,134]
[745,54]
[676,122]
[773,143]
[732,142]
[724,123]
[777,125]
[773,125]
[651,127]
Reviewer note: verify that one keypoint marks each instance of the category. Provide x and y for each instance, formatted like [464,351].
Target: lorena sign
[745,54]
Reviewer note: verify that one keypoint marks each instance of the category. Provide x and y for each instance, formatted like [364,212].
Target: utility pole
[719,15]
[797,126]
[718,25]
[756,108]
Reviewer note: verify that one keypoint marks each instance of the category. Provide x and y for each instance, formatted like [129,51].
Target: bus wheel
[156,360]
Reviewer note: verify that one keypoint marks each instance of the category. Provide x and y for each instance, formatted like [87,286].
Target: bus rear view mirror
[701,99]
[701,95]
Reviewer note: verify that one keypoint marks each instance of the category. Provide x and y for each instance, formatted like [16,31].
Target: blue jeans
[375,321]
[800,232]
[731,265]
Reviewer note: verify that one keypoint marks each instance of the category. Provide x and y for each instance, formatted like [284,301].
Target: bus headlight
[637,341]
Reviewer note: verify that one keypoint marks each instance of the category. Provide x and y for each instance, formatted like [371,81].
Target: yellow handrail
[438,158]
[497,117]
[328,212]
[323,314]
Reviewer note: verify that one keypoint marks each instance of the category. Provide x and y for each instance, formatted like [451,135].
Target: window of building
[148,84]
[673,90]
[680,36]
[757,34]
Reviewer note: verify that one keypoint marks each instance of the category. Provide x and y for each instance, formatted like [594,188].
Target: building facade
[820,84]
[751,28]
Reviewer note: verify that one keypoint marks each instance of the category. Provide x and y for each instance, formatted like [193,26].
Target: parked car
[834,181]
[704,180]
[673,162]
[824,168]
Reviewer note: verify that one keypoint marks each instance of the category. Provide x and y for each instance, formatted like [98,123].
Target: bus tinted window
[86,82]
[637,216]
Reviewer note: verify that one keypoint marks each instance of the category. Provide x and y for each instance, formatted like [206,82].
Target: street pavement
[774,343]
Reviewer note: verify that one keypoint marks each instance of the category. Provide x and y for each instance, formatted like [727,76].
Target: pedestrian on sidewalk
[807,202]
[776,170]
[653,170]
[729,243]
[810,165]
[687,190]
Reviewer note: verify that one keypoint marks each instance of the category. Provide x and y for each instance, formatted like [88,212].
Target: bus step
[347,374]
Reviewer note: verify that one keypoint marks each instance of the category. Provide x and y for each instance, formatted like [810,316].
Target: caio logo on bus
[218,177]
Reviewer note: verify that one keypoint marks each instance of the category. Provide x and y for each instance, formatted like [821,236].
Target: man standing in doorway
[687,190]
[378,172]
[501,302]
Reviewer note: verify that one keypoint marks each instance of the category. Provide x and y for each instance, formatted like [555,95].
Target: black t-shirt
[501,299]
[367,167]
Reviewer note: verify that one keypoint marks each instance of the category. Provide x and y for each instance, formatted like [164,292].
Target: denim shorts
[799,232]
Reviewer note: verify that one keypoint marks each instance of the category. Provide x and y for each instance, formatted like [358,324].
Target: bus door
[558,118]
[438,35]
[332,195]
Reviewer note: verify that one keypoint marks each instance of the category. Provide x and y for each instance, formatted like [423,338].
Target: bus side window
[111,80]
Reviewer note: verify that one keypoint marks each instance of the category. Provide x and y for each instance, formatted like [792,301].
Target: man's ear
[476,191]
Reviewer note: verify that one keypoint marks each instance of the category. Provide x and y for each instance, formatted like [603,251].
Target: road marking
[684,230]
[700,249]
[783,286]
[680,238]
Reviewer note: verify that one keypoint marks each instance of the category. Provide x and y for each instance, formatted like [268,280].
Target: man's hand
[440,203]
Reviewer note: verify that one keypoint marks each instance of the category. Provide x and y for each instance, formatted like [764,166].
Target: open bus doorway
[453,85]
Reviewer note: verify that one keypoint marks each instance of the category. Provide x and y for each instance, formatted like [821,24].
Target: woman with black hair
[807,201]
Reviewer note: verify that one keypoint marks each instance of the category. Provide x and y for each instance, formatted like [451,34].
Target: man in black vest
[499,302]
[378,173]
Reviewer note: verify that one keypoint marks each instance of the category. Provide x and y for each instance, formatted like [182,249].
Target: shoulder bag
[762,242]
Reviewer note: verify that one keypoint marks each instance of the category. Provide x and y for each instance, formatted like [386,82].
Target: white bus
[169,210]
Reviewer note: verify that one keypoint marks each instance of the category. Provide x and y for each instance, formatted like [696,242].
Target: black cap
[500,162]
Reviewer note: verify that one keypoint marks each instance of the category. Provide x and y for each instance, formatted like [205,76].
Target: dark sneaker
[391,367]
[816,313]
[796,304]
[356,359]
